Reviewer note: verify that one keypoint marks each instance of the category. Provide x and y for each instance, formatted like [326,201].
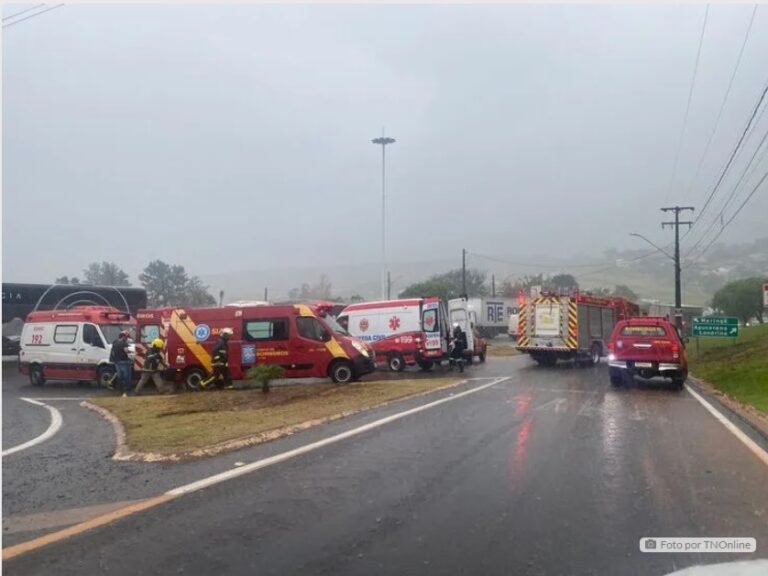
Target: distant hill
[651,277]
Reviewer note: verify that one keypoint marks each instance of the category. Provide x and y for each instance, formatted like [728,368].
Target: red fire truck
[554,327]
[402,332]
[297,337]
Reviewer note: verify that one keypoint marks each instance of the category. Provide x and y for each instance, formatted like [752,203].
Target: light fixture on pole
[383,141]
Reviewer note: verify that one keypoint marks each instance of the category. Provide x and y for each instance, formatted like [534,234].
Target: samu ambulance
[296,337]
[402,332]
[71,344]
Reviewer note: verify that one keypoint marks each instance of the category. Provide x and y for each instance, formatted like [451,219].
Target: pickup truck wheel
[481,356]
[36,375]
[193,379]
[396,362]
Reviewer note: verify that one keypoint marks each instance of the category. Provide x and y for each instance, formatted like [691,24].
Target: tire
[594,355]
[342,372]
[470,360]
[193,377]
[396,362]
[679,380]
[36,375]
[617,378]
[481,357]
[547,360]
[426,365]
[104,375]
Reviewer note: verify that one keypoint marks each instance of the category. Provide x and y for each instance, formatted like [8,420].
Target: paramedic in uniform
[221,374]
[152,368]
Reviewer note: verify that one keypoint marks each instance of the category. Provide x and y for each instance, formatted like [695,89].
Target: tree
[564,281]
[105,274]
[600,291]
[169,285]
[742,298]
[625,292]
[448,285]
[319,291]
[355,298]
[67,280]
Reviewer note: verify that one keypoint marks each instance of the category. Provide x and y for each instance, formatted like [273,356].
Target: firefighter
[459,345]
[153,364]
[221,374]
[119,356]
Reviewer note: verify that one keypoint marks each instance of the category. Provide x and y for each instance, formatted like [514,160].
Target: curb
[746,414]
[124,454]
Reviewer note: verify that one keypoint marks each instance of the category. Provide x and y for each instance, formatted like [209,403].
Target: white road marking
[753,446]
[560,405]
[277,458]
[59,399]
[52,429]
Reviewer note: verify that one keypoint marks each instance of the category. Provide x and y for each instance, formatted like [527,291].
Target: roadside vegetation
[738,369]
[186,422]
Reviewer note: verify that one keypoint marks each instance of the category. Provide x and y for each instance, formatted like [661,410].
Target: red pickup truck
[648,347]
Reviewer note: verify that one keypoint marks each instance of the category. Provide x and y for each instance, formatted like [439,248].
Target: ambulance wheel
[104,376]
[426,365]
[342,372]
[36,375]
[396,362]
[193,379]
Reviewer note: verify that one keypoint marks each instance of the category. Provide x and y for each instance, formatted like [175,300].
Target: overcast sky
[238,137]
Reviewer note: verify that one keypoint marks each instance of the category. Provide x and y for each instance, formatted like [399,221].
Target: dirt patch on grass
[201,424]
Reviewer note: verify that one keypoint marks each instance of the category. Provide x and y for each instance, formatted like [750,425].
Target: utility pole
[493,285]
[266,293]
[221,298]
[383,141]
[464,272]
[389,285]
[678,288]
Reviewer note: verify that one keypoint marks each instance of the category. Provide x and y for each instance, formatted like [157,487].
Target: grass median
[187,422]
[738,368]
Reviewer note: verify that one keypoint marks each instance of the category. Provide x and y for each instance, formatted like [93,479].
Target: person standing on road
[122,361]
[221,374]
[153,364]
[459,346]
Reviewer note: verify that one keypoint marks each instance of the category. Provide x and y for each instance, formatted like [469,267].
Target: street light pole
[383,141]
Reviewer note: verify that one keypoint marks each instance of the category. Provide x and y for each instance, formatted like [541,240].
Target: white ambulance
[71,344]
[402,332]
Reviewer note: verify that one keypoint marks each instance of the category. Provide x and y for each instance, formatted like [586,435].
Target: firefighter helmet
[125,333]
[158,343]
[226,332]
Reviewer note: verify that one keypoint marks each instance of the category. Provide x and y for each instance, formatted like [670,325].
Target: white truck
[491,316]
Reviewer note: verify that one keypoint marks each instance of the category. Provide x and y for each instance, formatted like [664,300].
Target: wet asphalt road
[548,472]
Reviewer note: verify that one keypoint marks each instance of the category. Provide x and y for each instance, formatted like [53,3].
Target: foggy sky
[238,137]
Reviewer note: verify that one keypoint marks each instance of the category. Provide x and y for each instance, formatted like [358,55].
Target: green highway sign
[717,326]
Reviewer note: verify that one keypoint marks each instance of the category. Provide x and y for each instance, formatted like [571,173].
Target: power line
[740,208]
[690,97]
[535,264]
[22,12]
[735,151]
[733,192]
[32,16]
[722,104]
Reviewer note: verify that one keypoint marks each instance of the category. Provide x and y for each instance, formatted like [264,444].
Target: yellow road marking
[24,547]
